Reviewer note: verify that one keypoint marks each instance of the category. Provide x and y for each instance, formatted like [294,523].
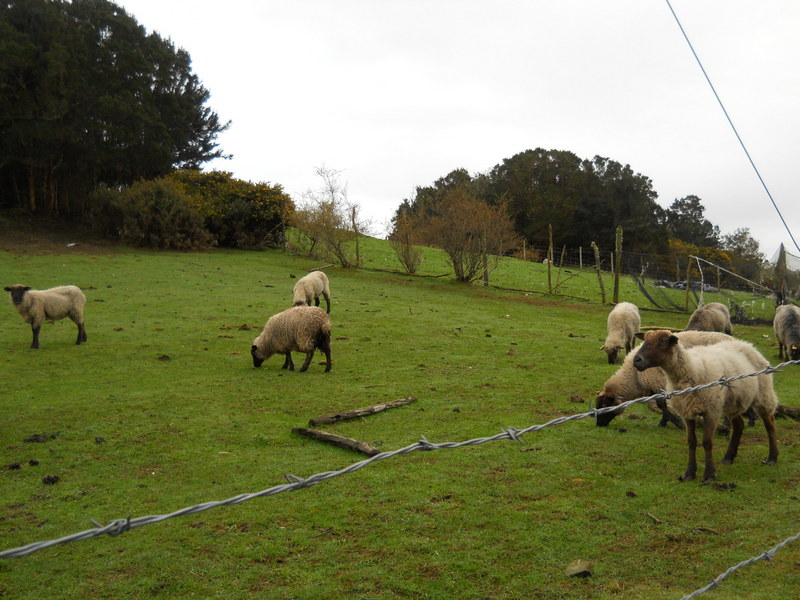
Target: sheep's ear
[673,339]
[639,336]
[8,289]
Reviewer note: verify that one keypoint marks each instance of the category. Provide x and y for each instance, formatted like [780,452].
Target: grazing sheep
[628,383]
[787,330]
[623,323]
[300,329]
[36,306]
[711,317]
[689,367]
[310,287]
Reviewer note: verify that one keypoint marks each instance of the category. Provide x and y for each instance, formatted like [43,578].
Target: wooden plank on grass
[337,440]
[360,412]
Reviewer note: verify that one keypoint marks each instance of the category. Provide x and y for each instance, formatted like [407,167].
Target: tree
[745,253]
[330,221]
[686,221]
[472,233]
[87,96]
[403,241]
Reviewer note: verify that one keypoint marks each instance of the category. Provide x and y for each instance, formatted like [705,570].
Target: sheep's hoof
[769,461]
[686,477]
[727,461]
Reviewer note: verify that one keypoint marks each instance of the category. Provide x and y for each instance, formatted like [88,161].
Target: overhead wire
[730,122]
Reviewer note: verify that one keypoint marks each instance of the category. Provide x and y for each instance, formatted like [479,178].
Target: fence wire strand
[294,482]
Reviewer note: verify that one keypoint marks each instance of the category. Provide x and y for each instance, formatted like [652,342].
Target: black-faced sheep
[711,317]
[689,367]
[309,288]
[628,383]
[787,331]
[37,306]
[623,324]
[297,329]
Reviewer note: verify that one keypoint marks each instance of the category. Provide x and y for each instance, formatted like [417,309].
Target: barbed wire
[119,526]
[765,556]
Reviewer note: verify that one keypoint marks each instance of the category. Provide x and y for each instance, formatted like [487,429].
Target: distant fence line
[651,266]
[119,526]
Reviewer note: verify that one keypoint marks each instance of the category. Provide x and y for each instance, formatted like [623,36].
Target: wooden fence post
[599,273]
[617,264]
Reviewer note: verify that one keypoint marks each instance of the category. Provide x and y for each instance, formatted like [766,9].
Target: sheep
[711,317]
[36,306]
[623,323]
[301,329]
[689,367]
[628,383]
[787,331]
[310,287]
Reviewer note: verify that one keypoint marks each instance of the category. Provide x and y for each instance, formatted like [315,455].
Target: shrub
[151,214]
[238,214]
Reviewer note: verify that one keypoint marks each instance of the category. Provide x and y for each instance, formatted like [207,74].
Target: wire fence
[119,526]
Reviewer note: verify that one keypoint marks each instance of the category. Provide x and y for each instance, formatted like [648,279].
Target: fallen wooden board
[360,412]
[337,440]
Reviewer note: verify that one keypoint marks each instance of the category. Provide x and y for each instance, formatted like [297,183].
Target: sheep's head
[257,359]
[604,400]
[794,352]
[612,353]
[656,349]
[17,292]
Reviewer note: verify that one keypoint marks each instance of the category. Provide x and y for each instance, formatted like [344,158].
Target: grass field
[162,409]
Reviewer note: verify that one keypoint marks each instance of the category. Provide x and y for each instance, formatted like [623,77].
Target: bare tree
[330,221]
[472,233]
[403,239]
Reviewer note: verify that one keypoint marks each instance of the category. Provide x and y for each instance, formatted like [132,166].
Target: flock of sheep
[703,353]
[301,328]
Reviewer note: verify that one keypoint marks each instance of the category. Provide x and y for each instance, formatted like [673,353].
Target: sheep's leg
[691,440]
[769,425]
[35,329]
[709,428]
[288,363]
[736,435]
[327,302]
[325,345]
[81,333]
[316,301]
[309,356]
[667,416]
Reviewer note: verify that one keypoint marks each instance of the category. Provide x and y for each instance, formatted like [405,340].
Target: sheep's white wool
[37,306]
[296,329]
[623,324]
[308,290]
[713,316]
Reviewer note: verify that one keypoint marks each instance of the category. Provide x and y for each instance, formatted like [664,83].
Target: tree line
[539,193]
[88,97]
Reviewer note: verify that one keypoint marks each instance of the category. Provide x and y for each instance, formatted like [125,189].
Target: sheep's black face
[254,353]
[602,420]
[17,293]
[794,353]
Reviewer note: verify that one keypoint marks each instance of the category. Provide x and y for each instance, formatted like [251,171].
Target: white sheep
[787,331]
[300,329]
[628,383]
[689,367]
[309,288]
[623,323]
[713,316]
[37,306]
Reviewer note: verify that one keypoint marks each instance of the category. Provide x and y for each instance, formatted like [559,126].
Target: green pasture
[162,409]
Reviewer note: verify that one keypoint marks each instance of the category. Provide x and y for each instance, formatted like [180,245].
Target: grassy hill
[162,409]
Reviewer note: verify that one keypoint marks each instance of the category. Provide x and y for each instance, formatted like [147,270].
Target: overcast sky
[397,93]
